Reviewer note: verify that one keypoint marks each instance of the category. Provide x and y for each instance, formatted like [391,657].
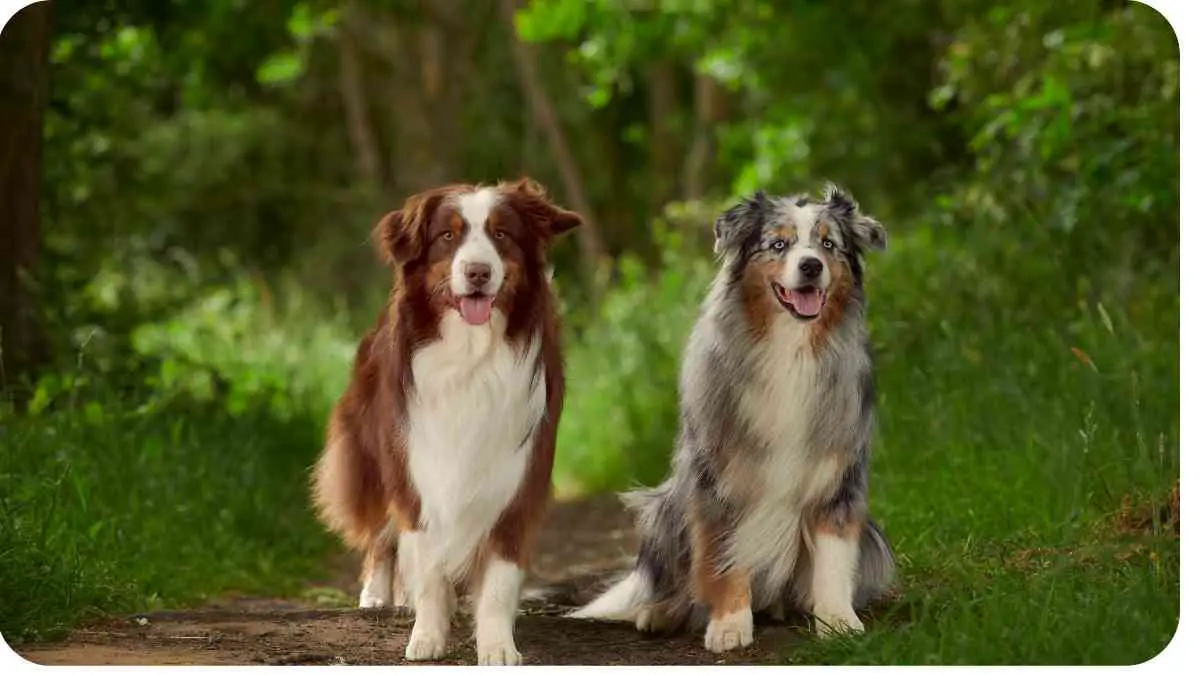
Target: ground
[582,544]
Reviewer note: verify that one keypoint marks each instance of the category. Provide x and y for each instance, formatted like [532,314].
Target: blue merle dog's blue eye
[828,243]
[779,244]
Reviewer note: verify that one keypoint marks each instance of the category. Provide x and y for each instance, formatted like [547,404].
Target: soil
[583,545]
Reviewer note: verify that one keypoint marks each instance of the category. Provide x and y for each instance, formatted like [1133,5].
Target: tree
[24,61]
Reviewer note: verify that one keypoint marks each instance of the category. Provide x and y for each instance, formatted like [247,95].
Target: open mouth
[476,308]
[804,303]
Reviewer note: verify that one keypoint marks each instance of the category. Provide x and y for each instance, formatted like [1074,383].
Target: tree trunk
[547,118]
[710,109]
[24,65]
[409,91]
[354,102]
[664,148]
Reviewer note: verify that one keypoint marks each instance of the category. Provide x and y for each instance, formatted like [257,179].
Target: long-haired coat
[438,457]
[766,504]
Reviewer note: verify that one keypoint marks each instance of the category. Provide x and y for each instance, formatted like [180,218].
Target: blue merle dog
[766,504]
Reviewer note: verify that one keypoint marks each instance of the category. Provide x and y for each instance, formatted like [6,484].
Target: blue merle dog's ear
[866,232]
[738,223]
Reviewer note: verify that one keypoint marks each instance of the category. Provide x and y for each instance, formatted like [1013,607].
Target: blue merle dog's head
[798,255]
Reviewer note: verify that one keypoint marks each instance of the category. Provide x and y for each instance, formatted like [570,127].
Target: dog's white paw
[729,632]
[368,599]
[376,591]
[425,647]
[498,653]
[833,622]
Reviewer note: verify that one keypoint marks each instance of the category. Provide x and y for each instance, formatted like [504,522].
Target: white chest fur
[778,405]
[471,416]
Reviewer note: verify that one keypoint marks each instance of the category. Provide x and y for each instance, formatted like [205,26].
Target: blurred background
[181,317]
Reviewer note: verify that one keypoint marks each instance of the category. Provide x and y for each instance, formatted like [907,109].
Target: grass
[106,511]
[984,602]
[1019,439]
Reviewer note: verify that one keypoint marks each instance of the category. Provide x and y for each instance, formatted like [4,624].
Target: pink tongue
[806,301]
[476,310]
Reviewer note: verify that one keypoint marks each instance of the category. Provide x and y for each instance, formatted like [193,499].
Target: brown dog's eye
[500,234]
[448,235]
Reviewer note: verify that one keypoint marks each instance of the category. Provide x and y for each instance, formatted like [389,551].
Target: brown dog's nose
[478,274]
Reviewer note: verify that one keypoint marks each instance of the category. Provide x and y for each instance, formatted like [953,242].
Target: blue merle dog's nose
[810,268]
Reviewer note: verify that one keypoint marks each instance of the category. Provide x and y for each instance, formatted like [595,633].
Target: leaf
[280,68]
[303,26]
[300,23]
[544,20]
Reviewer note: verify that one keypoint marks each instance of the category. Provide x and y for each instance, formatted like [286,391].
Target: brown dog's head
[473,249]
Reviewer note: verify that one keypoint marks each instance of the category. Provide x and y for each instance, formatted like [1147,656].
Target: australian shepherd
[438,456]
[766,504]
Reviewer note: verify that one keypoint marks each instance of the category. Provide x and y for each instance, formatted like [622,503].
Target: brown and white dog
[438,456]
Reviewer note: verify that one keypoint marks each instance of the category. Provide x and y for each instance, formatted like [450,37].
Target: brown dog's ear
[565,221]
[530,200]
[392,242]
[399,234]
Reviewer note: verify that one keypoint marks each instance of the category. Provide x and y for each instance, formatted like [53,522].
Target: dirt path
[582,543]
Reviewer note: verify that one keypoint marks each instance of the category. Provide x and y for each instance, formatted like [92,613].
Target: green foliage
[286,66]
[257,353]
[822,89]
[1075,127]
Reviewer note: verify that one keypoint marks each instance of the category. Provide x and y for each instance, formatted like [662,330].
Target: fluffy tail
[621,602]
[347,490]
[657,581]
[876,565]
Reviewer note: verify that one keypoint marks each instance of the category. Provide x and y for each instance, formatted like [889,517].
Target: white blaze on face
[798,291]
[476,249]
[805,218]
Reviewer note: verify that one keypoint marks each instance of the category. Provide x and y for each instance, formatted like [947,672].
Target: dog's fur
[766,505]
[438,456]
